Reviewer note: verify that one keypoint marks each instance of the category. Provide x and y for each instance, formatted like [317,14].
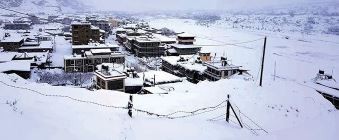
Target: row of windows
[95,61]
[152,44]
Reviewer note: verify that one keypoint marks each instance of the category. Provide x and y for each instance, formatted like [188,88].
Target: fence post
[228,108]
[130,106]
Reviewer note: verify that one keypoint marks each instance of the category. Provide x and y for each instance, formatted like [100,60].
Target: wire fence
[248,123]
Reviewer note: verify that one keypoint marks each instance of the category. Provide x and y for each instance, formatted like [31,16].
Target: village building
[80,49]
[36,46]
[101,24]
[110,77]
[186,39]
[152,78]
[164,39]
[189,66]
[114,22]
[37,59]
[185,46]
[84,33]
[87,61]
[180,49]
[222,70]
[148,47]
[11,43]
[21,68]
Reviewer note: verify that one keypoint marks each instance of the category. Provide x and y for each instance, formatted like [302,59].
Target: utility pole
[262,63]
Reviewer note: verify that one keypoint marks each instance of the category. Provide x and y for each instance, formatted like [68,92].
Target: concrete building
[189,66]
[110,77]
[148,47]
[87,61]
[221,70]
[84,33]
[80,49]
[101,24]
[186,39]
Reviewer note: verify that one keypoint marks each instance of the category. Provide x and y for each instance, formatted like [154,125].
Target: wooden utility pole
[262,63]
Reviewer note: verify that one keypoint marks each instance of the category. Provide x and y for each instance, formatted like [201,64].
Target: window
[117,84]
[71,61]
[105,60]
[78,62]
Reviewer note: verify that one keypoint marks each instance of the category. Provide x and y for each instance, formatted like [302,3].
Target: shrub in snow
[62,78]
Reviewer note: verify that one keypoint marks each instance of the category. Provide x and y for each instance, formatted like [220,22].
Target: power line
[235,44]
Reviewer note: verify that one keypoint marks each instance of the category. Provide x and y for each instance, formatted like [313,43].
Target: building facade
[88,61]
[220,70]
[109,78]
[84,33]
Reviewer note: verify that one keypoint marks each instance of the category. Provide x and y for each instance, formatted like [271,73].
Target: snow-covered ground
[298,58]
[46,112]
[285,106]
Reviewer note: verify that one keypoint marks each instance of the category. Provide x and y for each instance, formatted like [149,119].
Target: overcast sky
[149,5]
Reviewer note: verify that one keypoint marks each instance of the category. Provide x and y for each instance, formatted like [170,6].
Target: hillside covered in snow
[43,6]
[40,111]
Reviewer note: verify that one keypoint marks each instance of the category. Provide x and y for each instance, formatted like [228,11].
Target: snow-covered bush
[62,78]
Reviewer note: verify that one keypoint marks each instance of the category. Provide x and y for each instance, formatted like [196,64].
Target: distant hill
[44,6]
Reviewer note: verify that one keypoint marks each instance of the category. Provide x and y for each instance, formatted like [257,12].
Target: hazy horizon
[153,5]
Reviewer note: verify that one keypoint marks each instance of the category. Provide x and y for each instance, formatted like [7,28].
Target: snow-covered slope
[40,111]
[44,6]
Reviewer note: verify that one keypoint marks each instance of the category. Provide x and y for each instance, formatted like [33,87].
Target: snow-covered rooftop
[161,77]
[181,46]
[110,71]
[163,38]
[189,62]
[95,45]
[7,56]
[185,35]
[15,66]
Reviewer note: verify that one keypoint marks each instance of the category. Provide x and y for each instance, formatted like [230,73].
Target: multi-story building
[101,24]
[185,38]
[87,61]
[80,49]
[221,70]
[148,47]
[110,77]
[84,33]
[185,46]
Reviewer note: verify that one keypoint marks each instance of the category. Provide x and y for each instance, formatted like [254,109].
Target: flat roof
[181,46]
[95,45]
[15,66]
[219,66]
[185,35]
